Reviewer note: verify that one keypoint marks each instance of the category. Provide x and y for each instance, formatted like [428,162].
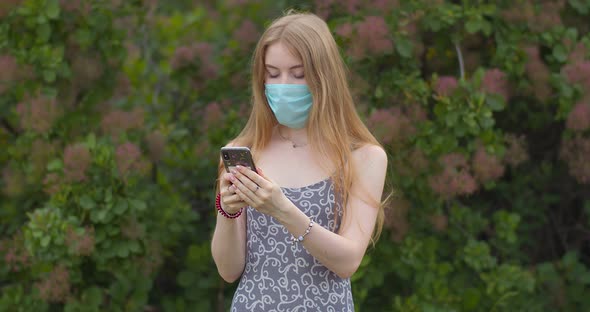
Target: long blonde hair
[334,127]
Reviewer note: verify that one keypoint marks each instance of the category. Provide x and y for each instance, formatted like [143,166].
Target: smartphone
[238,155]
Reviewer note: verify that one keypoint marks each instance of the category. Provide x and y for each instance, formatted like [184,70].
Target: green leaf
[43,33]
[120,207]
[49,76]
[472,26]
[45,241]
[451,119]
[185,278]
[495,102]
[404,47]
[122,250]
[86,202]
[55,165]
[560,53]
[52,10]
[92,296]
[91,141]
[137,204]
[471,299]
[133,246]
[102,215]
[580,5]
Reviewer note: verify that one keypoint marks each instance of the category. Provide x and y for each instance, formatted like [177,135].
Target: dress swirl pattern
[280,276]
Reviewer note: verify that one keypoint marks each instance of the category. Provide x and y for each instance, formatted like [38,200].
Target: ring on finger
[257,188]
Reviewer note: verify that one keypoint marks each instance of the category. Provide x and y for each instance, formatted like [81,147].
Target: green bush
[112,114]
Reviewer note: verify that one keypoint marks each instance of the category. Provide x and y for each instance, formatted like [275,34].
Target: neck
[297,137]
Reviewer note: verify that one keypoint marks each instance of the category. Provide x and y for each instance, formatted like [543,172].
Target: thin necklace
[295,145]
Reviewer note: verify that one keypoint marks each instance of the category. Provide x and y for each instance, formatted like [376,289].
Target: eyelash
[296,77]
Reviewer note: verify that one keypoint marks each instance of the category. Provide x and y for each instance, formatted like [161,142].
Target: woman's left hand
[258,191]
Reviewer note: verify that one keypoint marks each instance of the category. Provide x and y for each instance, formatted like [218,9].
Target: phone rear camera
[225,156]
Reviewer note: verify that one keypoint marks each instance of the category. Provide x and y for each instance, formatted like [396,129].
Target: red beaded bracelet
[223,212]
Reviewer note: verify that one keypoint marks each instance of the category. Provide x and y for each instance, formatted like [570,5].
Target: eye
[300,76]
[270,75]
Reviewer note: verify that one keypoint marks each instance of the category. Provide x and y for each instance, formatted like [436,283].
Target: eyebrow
[292,67]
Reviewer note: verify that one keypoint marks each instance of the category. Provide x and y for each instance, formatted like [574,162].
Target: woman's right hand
[230,201]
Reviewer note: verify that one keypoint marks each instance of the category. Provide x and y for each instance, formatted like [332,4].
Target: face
[282,66]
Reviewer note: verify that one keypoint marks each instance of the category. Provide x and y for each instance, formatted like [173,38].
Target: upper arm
[364,200]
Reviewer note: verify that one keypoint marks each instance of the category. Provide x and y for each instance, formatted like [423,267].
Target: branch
[460,57]
[6,125]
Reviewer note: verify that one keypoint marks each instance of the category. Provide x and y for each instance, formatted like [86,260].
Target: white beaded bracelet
[299,239]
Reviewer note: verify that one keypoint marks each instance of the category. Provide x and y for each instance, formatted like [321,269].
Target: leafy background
[112,113]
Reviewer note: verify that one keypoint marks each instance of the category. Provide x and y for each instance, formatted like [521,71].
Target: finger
[253,176]
[253,187]
[234,199]
[243,190]
[247,199]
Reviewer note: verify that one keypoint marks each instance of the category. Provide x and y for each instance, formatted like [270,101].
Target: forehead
[278,55]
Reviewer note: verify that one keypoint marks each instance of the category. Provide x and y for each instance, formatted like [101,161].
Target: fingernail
[233,171]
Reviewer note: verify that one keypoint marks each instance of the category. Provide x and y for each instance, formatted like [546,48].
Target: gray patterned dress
[280,276]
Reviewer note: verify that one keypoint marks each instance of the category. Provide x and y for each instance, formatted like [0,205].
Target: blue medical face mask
[291,103]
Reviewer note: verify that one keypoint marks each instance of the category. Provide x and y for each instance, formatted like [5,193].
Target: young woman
[297,229]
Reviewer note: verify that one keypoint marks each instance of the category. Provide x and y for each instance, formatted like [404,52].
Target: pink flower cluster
[396,219]
[547,17]
[495,82]
[323,8]
[14,181]
[372,37]
[51,183]
[575,153]
[455,178]
[38,114]
[7,5]
[246,34]
[117,121]
[579,73]
[128,159]
[152,260]
[391,125]
[55,287]
[445,85]
[74,6]
[538,73]
[440,222]
[77,159]
[156,144]
[516,150]
[15,255]
[87,69]
[486,167]
[41,152]
[81,244]
[132,229]
[212,115]
[200,54]
[9,71]
[412,165]
[579,117]
[351,7]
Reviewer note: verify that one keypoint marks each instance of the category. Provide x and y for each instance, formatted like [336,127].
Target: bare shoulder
[370,155]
